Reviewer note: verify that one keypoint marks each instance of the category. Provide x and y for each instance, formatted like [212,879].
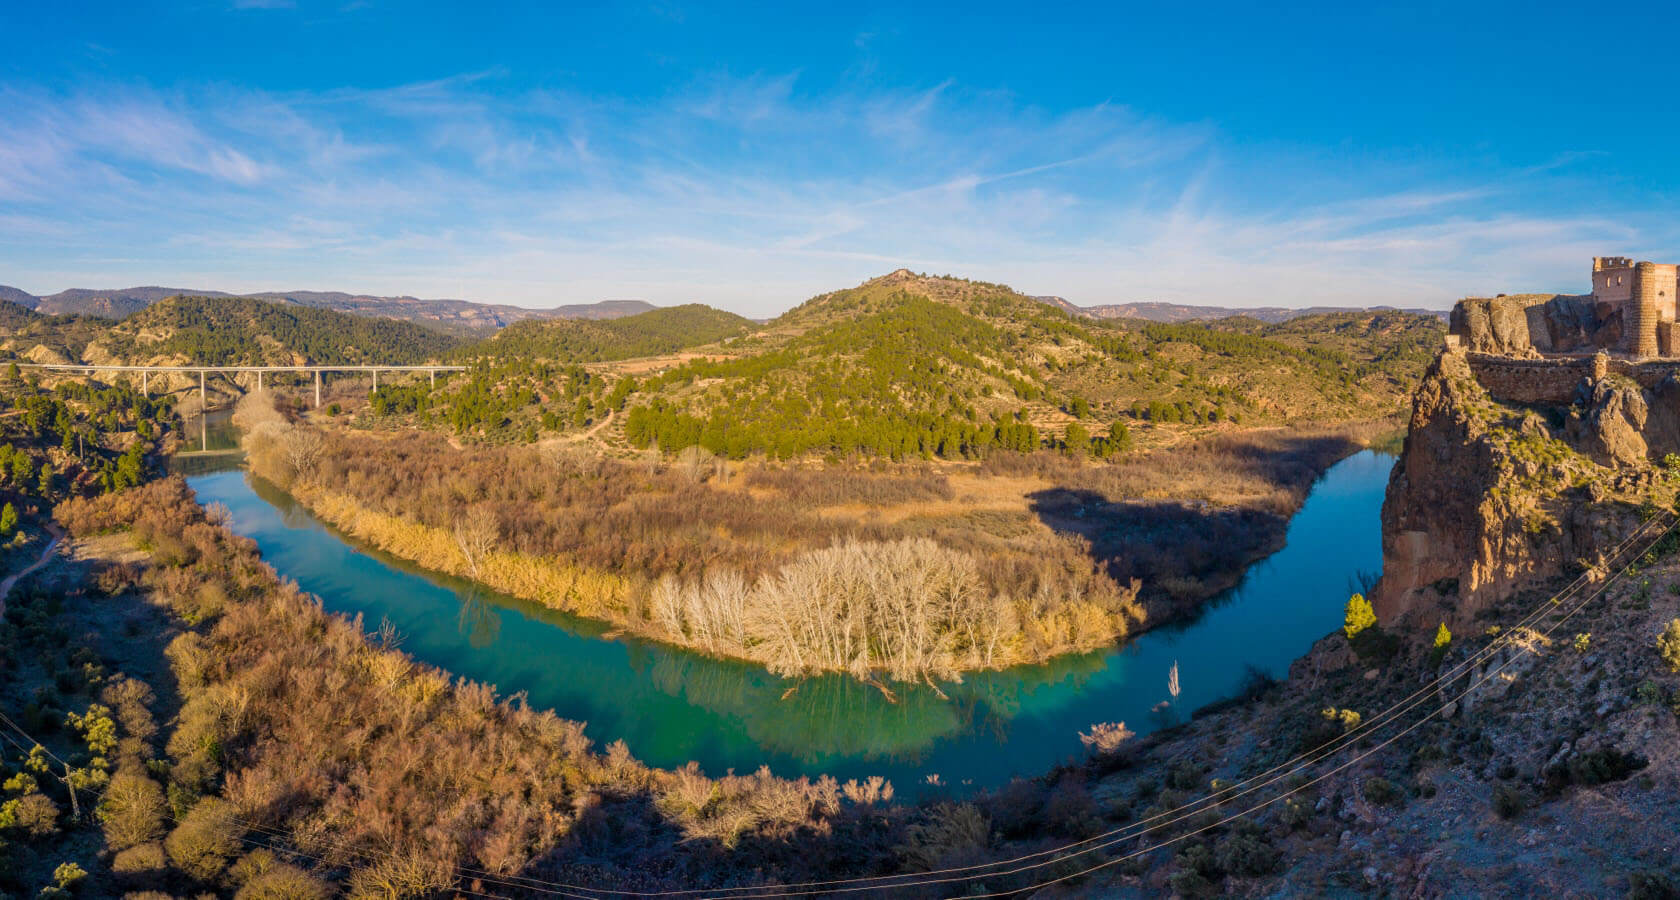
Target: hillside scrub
[295,731]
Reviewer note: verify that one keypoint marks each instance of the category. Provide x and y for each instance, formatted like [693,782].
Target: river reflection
[671,706]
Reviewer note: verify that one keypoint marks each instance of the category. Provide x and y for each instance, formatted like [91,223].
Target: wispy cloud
[747,191]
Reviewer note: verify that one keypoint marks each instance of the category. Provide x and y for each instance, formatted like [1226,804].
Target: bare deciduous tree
[1106,738]
[696,463]
[476,535]
[302,449]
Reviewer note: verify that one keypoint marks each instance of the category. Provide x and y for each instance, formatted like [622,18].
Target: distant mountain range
[462,317]
[1179,312]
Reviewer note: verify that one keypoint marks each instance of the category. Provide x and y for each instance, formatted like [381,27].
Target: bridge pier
[203,395]
[433,373]
[146,383]
[317,388]
[376,381]
[259,381]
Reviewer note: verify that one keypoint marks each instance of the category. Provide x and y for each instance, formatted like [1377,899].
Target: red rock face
[1478,508]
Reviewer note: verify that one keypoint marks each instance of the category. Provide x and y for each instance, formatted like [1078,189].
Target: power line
[1414,726]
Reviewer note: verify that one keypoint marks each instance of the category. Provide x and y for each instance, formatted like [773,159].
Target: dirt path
[599,425]
[46,554]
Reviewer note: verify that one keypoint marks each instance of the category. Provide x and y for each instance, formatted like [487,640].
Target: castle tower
[1648,291]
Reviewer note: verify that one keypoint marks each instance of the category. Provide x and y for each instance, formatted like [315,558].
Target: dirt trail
[46,554]
[599,425]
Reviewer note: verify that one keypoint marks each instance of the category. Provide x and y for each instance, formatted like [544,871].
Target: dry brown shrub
[690,793]
[142,860]
[262,876]
[36,815]
[416,873]
[132,812]
[206,840]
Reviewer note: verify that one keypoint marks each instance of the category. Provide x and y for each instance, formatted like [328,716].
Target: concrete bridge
[204,371]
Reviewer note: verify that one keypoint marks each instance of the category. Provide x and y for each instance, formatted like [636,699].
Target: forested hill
[651,333]
[245,331]
[915,365]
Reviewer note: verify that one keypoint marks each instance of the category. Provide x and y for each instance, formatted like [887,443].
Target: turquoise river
[671,706]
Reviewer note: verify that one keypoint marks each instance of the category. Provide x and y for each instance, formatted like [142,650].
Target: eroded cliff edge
[1490,497]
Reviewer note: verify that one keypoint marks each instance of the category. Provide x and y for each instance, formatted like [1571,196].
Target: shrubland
[289,731]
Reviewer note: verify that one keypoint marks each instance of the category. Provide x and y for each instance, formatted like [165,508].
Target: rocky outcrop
[1608,422]
[1487,499]
[1527,324]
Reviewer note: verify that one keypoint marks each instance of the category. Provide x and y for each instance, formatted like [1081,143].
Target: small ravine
[671,706]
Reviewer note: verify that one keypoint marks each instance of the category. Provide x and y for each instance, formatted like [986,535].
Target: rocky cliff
[1490,498]
[1528,324]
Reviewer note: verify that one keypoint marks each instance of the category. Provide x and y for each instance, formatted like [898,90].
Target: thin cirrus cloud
[742,192]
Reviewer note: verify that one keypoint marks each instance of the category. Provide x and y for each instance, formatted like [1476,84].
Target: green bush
[1381,791]
[1247,853]
[67,874]
[1198,873]
[1508,801]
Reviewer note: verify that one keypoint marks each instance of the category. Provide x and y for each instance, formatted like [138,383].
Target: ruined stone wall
[1531,381]
[1668,338]
[1552,382]
[1613,280]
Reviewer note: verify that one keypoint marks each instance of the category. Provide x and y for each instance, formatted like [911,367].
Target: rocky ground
[1557,774]
[1540,756]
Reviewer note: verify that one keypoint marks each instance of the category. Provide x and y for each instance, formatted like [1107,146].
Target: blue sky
[752,155]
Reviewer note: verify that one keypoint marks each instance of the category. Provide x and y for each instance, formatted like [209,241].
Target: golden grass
[557,585]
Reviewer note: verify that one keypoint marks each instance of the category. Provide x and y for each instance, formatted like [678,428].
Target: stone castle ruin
[1536,348]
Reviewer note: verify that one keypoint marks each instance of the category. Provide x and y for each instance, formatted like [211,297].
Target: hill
[460,317]
[246,331]
[15,318]
[914,365]
[908,365]
[648,333]
[46,338]
[1180,312]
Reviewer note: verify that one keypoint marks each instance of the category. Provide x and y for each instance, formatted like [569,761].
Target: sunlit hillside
[908,365]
